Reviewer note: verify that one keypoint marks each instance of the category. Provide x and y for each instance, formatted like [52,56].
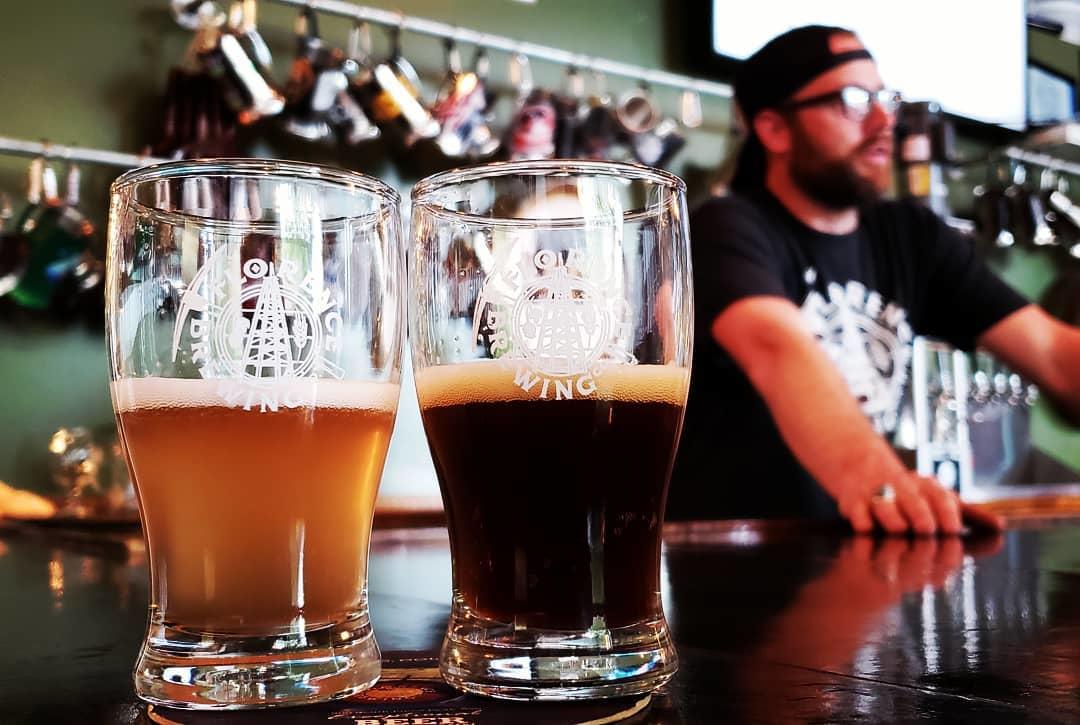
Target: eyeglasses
[855,101]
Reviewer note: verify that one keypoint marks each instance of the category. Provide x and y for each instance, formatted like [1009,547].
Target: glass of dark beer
[551,325]
[255,319]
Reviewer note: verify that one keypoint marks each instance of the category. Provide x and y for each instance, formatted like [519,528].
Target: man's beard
[834,184]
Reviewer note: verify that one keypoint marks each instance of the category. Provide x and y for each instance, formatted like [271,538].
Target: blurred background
[987,139]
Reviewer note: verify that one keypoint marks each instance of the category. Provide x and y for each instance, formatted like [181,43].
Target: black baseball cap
[773,75]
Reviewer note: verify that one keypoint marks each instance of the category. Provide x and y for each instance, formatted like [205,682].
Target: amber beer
[554,503]
[262,523]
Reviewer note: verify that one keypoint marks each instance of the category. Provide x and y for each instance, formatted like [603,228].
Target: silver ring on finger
[885,493]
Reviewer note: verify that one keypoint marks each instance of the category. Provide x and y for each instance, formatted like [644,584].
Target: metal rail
[1046,161]
[18,147]
[423,26]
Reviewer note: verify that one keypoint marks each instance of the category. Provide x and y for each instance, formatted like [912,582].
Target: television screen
[1051,96]
[968,55]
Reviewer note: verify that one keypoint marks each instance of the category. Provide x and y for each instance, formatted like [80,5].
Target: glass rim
[534,167]
[257,168]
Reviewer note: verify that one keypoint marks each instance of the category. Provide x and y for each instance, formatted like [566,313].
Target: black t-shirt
[901,273]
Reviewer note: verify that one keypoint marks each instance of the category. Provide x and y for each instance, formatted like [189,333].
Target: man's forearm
[810,402]
[819,418]
[1044,350]
[1066,360]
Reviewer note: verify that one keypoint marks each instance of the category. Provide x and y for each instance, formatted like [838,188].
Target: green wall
[1053,53]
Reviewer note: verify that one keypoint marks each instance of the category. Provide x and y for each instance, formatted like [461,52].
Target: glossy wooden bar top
[775,622]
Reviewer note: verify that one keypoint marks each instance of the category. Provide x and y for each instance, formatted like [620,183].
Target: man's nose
[879,118]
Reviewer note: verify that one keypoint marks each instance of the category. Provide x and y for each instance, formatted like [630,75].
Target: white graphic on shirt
[869,340]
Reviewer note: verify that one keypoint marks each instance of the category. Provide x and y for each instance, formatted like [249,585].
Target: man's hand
[912,504]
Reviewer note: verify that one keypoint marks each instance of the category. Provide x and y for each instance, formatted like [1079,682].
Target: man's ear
[773,130]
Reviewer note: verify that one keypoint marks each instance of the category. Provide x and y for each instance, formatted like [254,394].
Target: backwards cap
[773,75]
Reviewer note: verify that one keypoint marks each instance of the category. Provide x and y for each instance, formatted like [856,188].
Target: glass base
[214,671]
[495,659]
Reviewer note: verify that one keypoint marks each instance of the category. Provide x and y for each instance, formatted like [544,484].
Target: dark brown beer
[554,505]
[256,521]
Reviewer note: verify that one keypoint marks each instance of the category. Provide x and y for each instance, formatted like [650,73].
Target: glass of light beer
[551,328]
[255,319]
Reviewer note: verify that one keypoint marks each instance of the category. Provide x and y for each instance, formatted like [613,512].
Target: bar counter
[775,622]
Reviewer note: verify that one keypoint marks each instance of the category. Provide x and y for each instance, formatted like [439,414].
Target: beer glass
[255,317]
[551,327]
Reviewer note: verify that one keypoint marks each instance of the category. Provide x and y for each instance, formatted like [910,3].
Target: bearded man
[809,289]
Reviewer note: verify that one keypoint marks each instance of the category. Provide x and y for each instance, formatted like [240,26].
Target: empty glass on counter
[255,325]
[551,328]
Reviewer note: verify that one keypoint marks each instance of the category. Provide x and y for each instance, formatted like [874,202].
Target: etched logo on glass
[255,325]
[554,323]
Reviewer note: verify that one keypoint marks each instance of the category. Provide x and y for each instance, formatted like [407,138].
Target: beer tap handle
[36,174]
[453,56]
[359,45]
[50,186]
[521,77]
[74,177]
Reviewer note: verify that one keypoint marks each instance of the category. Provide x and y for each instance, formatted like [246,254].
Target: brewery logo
[554,323]
[253,330]
[869,340]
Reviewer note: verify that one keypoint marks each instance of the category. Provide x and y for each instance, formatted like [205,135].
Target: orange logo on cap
[843,43]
